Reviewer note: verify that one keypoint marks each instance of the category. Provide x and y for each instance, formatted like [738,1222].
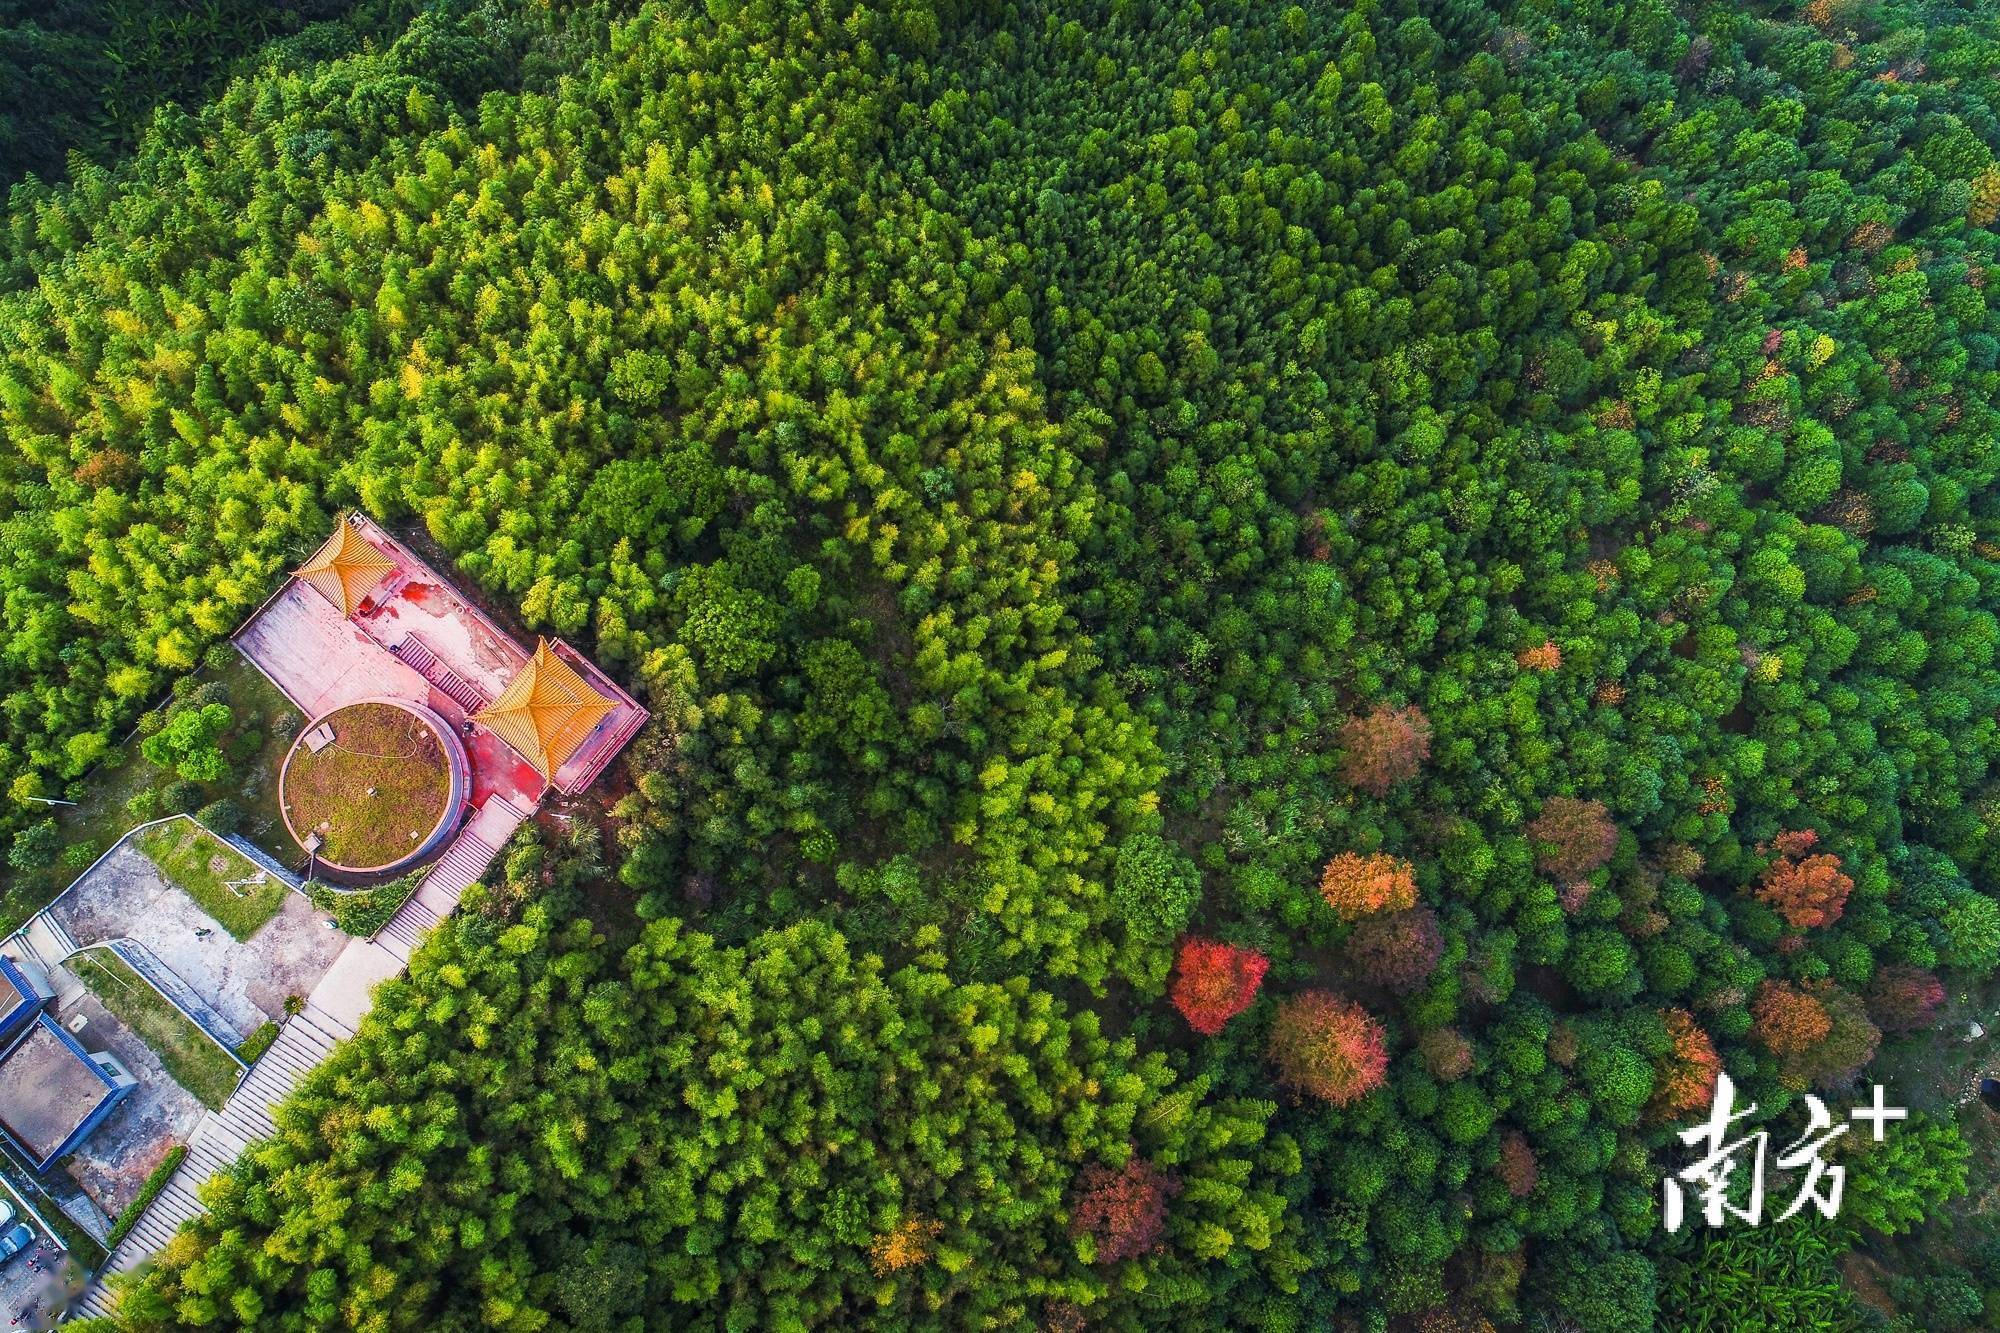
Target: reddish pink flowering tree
[1214,982]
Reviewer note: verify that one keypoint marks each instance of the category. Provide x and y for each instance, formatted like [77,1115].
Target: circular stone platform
[381,783]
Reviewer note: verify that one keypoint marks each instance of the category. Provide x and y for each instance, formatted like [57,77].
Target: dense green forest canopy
[85,76]
[1273,630]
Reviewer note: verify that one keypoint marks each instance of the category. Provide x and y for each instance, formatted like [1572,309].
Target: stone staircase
[437,897]
[221,1137]
[46,941]
[218,1141]
[414,652]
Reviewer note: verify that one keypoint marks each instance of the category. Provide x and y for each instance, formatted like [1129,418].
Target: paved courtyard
[114,1160]
[245,981]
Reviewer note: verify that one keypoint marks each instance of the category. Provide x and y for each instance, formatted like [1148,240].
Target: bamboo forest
[1285,651]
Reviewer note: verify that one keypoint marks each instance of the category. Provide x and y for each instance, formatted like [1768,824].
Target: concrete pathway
[126,897]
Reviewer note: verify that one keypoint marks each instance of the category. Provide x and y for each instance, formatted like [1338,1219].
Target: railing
[413,652]
[262,859]
[177,993]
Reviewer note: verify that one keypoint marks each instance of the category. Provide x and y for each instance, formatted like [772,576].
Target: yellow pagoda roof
[546,711]
[346,569]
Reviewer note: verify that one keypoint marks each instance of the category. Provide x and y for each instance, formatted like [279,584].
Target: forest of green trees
[1274,630]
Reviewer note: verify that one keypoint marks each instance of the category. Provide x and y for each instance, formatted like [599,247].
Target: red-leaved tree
[1804,887]
[1214,982]
[1572,837]
[1686,1075]
[1517,1168]
[1125,1210]
[1397,950]
[1328,1047]
[1384,747]
[1355,885]
[1446,1053]
[1904,999]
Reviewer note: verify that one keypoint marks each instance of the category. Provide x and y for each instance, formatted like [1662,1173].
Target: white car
[6,1211]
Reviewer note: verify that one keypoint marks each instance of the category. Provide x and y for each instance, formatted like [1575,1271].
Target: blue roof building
[20,999]
[53,1093]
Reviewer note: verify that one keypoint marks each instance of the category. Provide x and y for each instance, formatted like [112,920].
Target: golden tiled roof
[546,711]
[346,569]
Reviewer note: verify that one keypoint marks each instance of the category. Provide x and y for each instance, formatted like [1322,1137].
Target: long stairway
[456,871]
[218,1140]
[305,1040]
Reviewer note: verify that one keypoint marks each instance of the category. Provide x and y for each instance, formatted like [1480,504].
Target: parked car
[6,1211]
[20,1238]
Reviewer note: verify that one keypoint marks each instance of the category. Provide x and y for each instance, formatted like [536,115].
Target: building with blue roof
[53,1093]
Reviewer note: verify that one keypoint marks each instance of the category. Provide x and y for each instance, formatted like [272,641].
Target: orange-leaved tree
[1357,885]
[1805,887]
[1328,1047]
[1788,1019]
[1685,1078]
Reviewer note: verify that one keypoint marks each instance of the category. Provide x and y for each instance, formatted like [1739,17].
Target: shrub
[1944,1302]
[1214,982]
[1123,1211]
[1384,747]
[1893,1185]
[363,912]
[204,694]
[156,1180]
[258,1042]
[1397,950]
[35,846]
[1328,1047]
[223,816]
[1355,885]
[1972,932]
[1600,961]
[180,797]
[1154,886]
[1598,1293]
[188,742]
[1782,1276]
[1572,837]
